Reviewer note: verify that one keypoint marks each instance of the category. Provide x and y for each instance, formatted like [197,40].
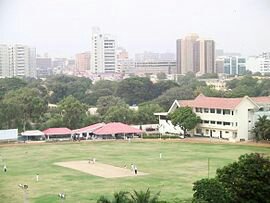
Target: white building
[224,118]
[103,55]
[17,61]
[259,63]
[4,61]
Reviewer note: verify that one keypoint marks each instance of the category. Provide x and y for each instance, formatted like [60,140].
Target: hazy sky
[63,27]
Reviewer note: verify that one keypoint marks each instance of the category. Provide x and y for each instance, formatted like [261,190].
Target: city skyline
[63,28]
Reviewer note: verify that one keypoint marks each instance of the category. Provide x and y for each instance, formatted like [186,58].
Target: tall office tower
[4,61]
[103,55]
[204,56]
[178,56]
[82,61]
[185,54]
[195,55]
[22,61]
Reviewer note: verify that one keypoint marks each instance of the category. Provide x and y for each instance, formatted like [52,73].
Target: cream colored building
[225,118]
[195,55]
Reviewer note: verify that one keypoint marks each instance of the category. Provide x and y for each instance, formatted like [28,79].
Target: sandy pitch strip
[99,169]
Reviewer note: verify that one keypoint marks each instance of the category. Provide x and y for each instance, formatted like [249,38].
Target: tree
[185,118]
[101,88]
[190,80]
[135,197]
[161,76]
[144,197]
[63,86]
[119,114]
[118,197]
[104,103]
[29,105]
[209,76]
[177,93]
[262,128]
[135,90]
[73,112]
[209,191]
[248,179]
[161,86]
[8,84]
[146,113]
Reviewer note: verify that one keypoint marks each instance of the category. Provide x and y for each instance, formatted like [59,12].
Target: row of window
[219,123]
[217,111]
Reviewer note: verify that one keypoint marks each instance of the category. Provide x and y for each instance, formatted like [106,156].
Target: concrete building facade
[103,55]
[259,63]
[4,61]
[18,61]
[195,55]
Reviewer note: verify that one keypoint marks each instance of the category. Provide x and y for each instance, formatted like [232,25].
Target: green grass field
[182,164]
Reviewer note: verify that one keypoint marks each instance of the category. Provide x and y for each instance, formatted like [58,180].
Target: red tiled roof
[89,128]
[116,128]
[57,131]
[261,99]
[202,101]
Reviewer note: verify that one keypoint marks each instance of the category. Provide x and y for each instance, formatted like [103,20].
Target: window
[205,121]
[226,112]
[218,111]
[232,112]
[227,132]
[219,122]
[206,110]
[226,123]
[212,111]
[198,131]
[213,122]
[199,110]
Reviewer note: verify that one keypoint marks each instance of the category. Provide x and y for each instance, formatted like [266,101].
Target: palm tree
[118,197]
[144,197]
[262,128]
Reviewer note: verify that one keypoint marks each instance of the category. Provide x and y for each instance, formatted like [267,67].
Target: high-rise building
[82,61]
[234,65]
[195,55]
[21,61]
[4,61]
[186,55]
[259,63]
[103,55]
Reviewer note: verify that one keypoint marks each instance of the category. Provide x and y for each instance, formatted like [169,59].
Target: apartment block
[103,54]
